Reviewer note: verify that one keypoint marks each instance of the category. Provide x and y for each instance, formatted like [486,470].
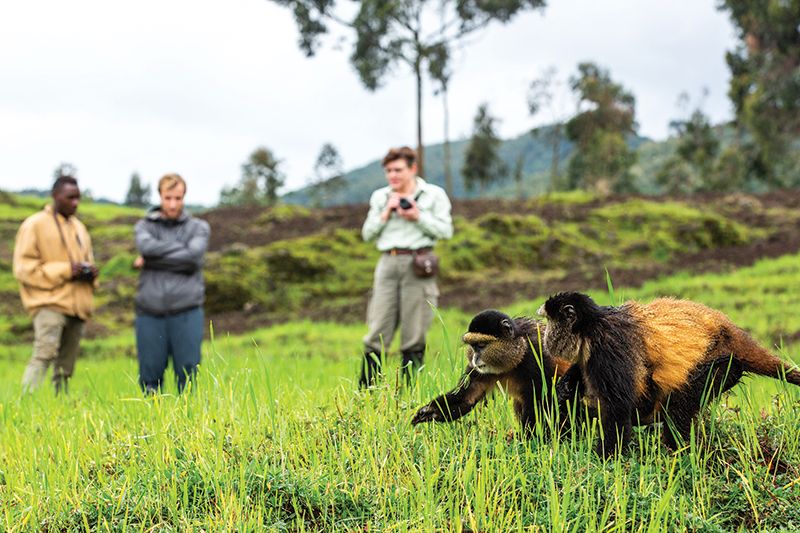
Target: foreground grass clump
[276,436]
[285,442]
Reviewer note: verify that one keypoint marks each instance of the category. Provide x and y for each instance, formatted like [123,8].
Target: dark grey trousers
[158,338]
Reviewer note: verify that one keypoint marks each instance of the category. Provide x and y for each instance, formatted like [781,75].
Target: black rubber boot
[412,362]
[61,385]
[370,369]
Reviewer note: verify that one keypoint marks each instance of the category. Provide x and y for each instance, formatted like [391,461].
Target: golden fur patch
[513,388]
[676,334]
[584,350]
[478,338]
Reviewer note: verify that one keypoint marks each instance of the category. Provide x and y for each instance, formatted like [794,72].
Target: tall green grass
[276,436]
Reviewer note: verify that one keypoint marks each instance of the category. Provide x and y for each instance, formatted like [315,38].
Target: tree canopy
[65,169]
[602,159]
[765,85]
[545,93]
[138,195]
[418,34]
[482,164]
[260,181]
[328,175]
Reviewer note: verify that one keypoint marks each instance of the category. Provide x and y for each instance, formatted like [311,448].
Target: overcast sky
[193,86]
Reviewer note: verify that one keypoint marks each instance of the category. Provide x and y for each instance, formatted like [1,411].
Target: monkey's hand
[565,391]
[570,384]
[458,402]
[429,413]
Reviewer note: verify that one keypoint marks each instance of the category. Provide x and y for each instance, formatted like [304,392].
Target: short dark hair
[404,152]
[61,181]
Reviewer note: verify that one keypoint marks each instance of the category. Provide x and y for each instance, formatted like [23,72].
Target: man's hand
[392,205]
[412,213]
[79,274]
[138,263]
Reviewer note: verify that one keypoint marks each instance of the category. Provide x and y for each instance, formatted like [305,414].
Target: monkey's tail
[760,361]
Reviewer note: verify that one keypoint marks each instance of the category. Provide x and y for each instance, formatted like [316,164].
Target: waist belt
[166,314]
[406,251]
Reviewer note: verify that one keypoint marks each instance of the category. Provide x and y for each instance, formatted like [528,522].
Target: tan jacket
[42,264]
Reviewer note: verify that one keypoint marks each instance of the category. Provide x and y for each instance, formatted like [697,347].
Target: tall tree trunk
[518,169]
[420,146]
[448,171]
[554,160]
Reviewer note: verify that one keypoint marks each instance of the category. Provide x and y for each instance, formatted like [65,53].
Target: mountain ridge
[535,149]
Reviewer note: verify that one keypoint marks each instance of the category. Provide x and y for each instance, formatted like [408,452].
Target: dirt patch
[247,225]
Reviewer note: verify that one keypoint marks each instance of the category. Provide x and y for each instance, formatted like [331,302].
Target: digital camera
[85,273]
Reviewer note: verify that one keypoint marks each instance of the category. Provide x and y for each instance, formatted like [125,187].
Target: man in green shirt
[405,218]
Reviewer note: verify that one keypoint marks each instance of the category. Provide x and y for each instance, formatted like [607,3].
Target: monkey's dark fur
[499,351]
[639,361]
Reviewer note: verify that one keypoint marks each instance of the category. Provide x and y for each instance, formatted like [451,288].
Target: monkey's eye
[479,345]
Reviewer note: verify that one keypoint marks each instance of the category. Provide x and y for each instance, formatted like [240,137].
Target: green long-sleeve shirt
[434,221]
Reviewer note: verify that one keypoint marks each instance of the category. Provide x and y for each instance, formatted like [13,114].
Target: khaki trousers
[56,342]
[399,297]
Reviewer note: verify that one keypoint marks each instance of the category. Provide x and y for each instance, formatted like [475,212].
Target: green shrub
[224,293]
[283,212]
[661,230]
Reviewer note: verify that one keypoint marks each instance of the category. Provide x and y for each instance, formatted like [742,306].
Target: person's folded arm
[149,246]
[178,256]
[169,266]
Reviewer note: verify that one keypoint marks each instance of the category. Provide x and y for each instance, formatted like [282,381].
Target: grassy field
[276,436]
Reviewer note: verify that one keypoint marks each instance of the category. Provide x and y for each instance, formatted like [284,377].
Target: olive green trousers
[399,300]
[56,342]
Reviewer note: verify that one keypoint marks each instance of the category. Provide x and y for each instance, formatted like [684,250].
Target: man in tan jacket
[54,265]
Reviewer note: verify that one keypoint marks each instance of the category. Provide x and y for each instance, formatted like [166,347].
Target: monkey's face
[492,355]
[493,346]
[560,338]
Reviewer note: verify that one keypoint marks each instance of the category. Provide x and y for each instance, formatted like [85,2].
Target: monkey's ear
[569,313]
[507,327]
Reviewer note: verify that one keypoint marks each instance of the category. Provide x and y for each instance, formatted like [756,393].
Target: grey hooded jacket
[173,250]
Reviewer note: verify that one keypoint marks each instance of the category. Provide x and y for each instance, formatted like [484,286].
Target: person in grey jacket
[169,300]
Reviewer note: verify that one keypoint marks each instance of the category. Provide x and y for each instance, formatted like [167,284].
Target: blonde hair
[170,181]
